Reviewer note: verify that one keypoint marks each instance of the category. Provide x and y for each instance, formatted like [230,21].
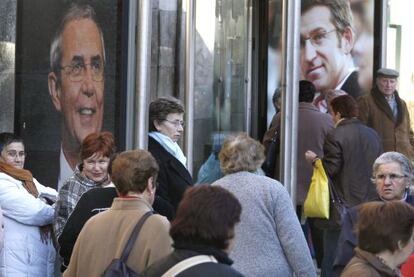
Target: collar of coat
[383,105]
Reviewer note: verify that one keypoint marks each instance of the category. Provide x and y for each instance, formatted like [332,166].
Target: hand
[310,156]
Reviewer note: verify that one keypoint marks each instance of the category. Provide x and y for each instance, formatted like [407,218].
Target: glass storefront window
[220,88]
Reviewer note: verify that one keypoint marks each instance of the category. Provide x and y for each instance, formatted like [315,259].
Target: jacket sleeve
[291,236]
[332,159]
[21,206]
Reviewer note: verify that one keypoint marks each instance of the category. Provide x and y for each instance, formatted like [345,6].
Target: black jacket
[351,85]
[173,179]
[91,203]
[186,250]
[349,152]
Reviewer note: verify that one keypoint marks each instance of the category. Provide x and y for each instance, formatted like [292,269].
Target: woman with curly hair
[269,229]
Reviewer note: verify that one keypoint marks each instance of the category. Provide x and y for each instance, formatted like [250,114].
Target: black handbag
[337,210]
[272,153]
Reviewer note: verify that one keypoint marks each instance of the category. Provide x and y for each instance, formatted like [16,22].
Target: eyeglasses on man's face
[392,176]
[176,123]
[77,70]
[317,39]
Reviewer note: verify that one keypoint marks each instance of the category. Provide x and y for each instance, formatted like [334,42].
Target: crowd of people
[243,224]
[140,211]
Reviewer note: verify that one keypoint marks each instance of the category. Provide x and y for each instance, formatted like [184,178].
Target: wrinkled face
[390,181]
[80,97]
[387,85]
[323,58]
[95,167]
[173,126]
[13,154]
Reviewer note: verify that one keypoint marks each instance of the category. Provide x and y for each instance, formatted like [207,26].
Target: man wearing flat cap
[384,111]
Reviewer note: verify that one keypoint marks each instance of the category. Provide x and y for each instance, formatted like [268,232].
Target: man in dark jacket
[385,112]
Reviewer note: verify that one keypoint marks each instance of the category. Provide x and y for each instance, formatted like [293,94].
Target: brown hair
[381,225]
[160,108]
[345,105]
[241,153]
[341,14]
[132,169]
[206,215]
[102,143]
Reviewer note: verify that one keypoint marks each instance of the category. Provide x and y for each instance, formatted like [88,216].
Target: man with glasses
[76,86]
[326,41]
[392,177]
[384,111]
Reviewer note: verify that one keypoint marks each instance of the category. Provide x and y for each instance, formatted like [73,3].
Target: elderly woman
[269,240]
[385,239]
[392,176]
[203,231]
[104,236]
[166,127]
[28,249]
[96,152]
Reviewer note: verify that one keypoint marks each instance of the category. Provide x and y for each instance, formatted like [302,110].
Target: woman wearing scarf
[28,249]
[97,150]
[166,127]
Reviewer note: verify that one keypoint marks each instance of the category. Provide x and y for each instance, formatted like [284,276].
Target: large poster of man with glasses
[80,85]
[336,46]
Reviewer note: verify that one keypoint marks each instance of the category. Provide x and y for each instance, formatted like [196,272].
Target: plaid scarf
[27,179]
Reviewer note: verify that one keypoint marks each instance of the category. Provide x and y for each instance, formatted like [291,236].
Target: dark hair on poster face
[206,215]
[381,225]
[341,14]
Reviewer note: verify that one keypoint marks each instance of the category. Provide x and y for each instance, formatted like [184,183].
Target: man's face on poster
[324,49]
[79,95]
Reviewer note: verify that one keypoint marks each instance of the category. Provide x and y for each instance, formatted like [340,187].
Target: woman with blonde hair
[269,229]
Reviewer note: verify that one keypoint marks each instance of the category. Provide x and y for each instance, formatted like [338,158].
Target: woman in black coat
[166,127]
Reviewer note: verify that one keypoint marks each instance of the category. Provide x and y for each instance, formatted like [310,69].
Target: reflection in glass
[7,66]
[220,87]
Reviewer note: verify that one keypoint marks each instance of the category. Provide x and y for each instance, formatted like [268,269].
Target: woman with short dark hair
[166,126]
[385,239]
[28,248]
[204,226]
[269,240]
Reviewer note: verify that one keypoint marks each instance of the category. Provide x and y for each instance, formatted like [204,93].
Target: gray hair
[394,157]
[75,12]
